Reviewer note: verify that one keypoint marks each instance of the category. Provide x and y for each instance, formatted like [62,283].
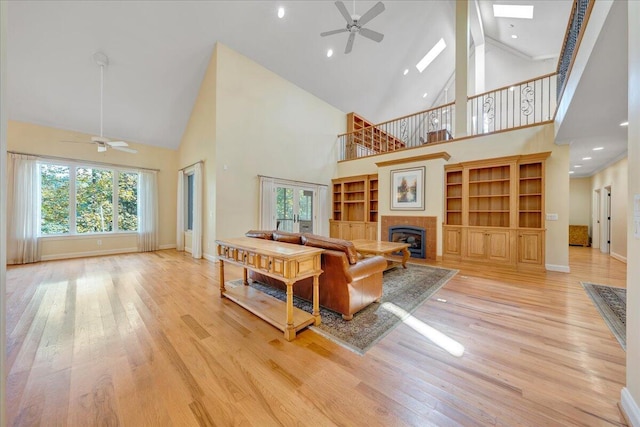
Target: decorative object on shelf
[407,189]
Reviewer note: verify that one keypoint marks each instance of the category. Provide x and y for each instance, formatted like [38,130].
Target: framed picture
[407,189]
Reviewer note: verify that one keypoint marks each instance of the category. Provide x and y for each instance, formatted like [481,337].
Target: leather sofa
[348,283]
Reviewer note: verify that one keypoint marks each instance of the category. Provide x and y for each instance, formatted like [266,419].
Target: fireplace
[414,236]
[426,223]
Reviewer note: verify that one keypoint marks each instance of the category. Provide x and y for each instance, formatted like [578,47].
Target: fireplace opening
[414,236]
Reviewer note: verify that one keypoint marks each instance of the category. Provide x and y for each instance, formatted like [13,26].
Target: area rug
[612,304]
[406,288]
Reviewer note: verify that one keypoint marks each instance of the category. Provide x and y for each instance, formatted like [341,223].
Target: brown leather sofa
[348,283]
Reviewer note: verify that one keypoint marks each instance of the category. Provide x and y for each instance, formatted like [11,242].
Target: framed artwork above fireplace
[407,189]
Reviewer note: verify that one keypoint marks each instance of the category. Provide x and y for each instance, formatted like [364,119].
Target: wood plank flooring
[145,339]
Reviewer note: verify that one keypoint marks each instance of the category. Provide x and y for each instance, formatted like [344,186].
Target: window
[190,201]
[86,199]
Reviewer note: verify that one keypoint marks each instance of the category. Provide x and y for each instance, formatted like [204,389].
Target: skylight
[431,55]
[513,11]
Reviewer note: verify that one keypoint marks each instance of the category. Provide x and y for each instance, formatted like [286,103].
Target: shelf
[480,181]
[488,211]
[525,178]
[488,195]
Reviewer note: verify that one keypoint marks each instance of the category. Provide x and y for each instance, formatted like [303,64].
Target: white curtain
[148,211]
[196,232]
[180,214]
[22,209]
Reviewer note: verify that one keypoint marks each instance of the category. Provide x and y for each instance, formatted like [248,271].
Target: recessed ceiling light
[624,124]
[281,12]
[586,158]
[598,148]
[329,53]
[570,172]
[406,71]
[431,55]
[425,95]
[577,166]
[514,36]
[513,11]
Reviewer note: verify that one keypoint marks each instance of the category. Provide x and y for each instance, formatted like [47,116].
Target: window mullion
[72,199]
[115,176]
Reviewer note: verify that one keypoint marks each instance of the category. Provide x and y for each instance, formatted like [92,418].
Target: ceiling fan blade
[352,36]
[370,34]
[330,33]
[117,143]
[345,13]
[376,10]
[125,149]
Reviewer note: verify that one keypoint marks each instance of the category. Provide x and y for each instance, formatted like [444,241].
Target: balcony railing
[577,22]
[518,105]
[425,127]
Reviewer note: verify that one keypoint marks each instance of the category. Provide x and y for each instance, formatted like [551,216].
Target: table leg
[244,277]
[222,288]
[290,331]
[405,257]
[316,300]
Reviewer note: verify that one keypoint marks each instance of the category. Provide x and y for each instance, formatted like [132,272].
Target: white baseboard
[169,246]
[209,257]
[88,254]
[619,257]
[560,268]
[630,408]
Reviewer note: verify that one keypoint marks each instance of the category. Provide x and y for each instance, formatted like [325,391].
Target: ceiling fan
[102,142]
[356,22]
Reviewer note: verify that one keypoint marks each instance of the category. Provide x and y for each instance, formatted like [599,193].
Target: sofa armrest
[366,267]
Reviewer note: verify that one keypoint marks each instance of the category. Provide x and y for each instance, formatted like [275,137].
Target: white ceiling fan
[355,24]
[102,142]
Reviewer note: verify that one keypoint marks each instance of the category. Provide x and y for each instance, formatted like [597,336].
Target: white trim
[88,254]
[630,408]
[618,257]
[560,268]
[211,258]
[169,246]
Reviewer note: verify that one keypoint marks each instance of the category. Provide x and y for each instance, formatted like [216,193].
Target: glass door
[294,208]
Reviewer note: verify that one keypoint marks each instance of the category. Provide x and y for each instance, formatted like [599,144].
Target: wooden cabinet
[494,210]
[530,247]
[452,244]
[355,208]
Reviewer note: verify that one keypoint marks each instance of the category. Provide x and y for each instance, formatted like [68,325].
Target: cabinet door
[498,245]
[371,230]
[345,230]
[452,241]
[476,243]
[530,247]
[334,229]
[357,231]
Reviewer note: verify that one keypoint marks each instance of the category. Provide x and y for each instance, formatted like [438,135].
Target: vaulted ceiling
[158,52]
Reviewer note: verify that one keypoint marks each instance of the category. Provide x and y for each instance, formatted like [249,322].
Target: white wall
[47,141]
[631,393]
[3,206]
[616,177]
[265,125]
[580,195]
[524,141]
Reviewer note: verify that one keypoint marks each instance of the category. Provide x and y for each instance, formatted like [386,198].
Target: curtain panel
[196,241]
[148,212]
[180,213]
[22,208]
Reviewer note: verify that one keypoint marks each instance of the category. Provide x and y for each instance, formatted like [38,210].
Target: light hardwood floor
[144,339]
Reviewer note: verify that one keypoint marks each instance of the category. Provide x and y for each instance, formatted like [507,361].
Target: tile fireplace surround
[426,222]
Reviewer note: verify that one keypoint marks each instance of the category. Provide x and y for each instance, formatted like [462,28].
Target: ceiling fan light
[101,148]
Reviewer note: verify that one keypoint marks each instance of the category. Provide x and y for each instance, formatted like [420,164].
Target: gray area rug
[612,304]
[406,288]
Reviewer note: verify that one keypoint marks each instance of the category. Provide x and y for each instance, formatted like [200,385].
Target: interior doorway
[605,245]
[597,214]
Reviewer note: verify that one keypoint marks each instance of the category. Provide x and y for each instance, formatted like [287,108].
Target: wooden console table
[283,261]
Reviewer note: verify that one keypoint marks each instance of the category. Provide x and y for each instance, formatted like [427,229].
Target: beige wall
[530,140]
[46,141]
[580,194]
[631,394]
[616,177]
[199,144]
[267,126]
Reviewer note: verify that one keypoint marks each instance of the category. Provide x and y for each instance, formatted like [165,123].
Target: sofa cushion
[260,234]
[333,244]
[286,237]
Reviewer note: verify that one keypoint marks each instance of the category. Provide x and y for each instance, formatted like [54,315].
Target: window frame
[73,194]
